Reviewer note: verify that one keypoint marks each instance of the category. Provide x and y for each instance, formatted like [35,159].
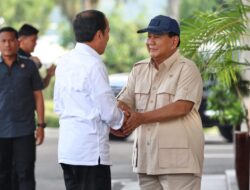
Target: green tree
[15,12]
[72,7]
[125,46]
[214,40]
[189,7]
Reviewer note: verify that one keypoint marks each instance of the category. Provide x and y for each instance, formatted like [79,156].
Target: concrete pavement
[231,180]
[49,174]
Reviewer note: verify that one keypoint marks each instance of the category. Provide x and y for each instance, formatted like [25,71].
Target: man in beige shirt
[163,94]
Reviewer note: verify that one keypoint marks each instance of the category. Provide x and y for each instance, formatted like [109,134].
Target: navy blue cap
[161,25]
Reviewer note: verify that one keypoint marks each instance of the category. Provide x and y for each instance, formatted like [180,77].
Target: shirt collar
[84,48]
[23,53]
[15,62]
[167,63]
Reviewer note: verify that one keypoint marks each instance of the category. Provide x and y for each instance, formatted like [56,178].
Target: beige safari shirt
[170,147]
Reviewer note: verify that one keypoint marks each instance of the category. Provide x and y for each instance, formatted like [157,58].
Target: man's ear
[98,34]
[20,38]
[175,41]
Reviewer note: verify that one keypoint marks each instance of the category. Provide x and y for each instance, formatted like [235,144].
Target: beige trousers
[169,182]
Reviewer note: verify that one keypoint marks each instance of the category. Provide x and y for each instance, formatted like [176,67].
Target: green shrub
[51,117]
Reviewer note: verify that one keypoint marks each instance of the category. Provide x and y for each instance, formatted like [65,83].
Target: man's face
[161,46]
[28,43]
[105,38]
[8,44]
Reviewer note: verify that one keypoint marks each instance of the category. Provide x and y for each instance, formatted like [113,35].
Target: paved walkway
[49,174]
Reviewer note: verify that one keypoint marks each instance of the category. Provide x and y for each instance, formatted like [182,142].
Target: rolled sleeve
[37,83]
[189,85]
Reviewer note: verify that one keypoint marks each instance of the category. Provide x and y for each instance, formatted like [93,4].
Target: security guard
[20,96]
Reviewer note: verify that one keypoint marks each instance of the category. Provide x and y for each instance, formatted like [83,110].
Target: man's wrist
[48,76]
[42,125]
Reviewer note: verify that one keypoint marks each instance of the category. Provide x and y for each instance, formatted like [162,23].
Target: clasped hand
[132,120]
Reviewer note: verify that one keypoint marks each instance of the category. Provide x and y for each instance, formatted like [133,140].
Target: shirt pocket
[141,97]
[174,158]
[165,95]
[22,83]
[174,150]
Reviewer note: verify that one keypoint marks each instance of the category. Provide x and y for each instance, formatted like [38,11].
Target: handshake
[132,120]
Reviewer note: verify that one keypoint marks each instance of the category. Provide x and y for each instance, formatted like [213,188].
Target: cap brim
[151,30]
[142,30]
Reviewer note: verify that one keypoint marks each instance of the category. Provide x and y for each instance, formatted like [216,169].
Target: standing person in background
[164,94]
[20,96]
[86,106]
[27,36]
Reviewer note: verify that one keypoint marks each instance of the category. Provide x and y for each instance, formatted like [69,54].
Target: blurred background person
[27,36]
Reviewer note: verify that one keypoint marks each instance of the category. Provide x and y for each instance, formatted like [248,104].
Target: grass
[51,117]
[211,130]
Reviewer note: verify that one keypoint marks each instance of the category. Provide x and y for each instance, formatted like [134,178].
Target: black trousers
[17,159]
[87,177]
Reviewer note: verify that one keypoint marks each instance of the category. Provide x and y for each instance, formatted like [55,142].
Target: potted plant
[215,41]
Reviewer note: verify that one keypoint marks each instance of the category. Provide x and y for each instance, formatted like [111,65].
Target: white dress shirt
[86,107]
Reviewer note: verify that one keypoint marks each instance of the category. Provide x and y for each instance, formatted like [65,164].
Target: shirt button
[151,101]
[148,143]
[148,129]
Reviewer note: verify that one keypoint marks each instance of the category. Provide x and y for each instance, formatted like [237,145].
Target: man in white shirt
[86,106]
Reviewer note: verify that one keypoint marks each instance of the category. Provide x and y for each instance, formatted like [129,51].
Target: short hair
[27,30]
[172,34]
[87,23]
[9,29]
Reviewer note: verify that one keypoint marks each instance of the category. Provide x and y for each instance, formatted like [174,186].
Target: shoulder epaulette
[145,61]
[182,59]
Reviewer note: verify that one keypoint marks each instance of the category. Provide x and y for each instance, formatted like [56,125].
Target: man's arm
[126,110]
[174,110]
[50,73]
[40,116]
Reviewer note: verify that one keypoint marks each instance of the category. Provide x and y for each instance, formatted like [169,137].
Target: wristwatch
[43,125]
